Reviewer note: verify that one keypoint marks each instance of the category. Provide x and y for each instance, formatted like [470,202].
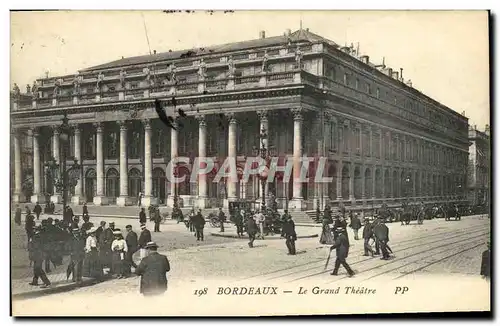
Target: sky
[444,53]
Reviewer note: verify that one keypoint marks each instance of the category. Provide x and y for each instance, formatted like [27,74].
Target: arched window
[159,185]
[112,183]
[134,182]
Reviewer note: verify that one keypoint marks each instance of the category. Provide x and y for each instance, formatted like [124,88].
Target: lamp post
[61,178]
[407,184]
[265,152]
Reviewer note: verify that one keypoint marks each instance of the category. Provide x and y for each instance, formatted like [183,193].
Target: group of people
[92,250]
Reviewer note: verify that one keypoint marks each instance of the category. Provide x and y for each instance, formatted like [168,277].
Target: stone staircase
[303,216]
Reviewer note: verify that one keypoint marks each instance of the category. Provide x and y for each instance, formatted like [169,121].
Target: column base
[229,200]
[123,201]
[101,200]
[203,202]
[19,198]
[38,198]
[77,200]
[56,199]
[297,204]
[147,201]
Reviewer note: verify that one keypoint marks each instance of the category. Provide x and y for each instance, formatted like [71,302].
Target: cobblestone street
[435,248]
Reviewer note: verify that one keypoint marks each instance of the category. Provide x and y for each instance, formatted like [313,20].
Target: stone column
[339,180]
[148,198]
[124,199]
[297,202]
[231,153]
[56,198]
[351,183]
[37,196]
[100,199]
[382,183]
[363,182]
[264,126]
[78,199]
[203,201]
[18,196]
[174,152]
[414,178]
[374,181]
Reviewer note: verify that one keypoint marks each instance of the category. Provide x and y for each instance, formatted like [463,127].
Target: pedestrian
[139,199]
[485,263]
[29,224]
[36,255]
[105,251]
[326,231]
[85,210]
[142,216]
[157,219]
[37,210]
[191,219]
[251,230]
[144,238]
[355,225]
[222,219]
[100,230]
[92,266]
[342,250]
[238,222]
[153,271]
[381,232]
[132,245]
[119,248]
[367,235]
[199,225]
[75,267]
[17,216]
[75,223]
[375,222]
[86,225]
[260,218]
[290,235]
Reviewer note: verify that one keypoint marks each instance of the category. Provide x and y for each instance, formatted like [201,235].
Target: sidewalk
[21,289]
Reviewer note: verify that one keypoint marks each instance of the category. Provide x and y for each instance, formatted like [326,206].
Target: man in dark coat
[37,210]
[87,225]
[153,271]
[367,236]
[342,249]
[17,216]
[381,232]
[238,222]
[355,225]
[222,219]
[105,242]
[29,224]
[132,245]
[199,224]
[142,216]
[252,229]
[75,222]
[485,262]
[85,211]
[290,235]
[156,219]
[100,230]
[144,238]
[37,256]
[75,267]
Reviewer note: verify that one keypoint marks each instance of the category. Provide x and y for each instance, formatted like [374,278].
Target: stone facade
[479,182]
[384,140]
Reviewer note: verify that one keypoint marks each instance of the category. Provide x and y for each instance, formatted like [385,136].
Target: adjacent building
[385,141]
[479,180]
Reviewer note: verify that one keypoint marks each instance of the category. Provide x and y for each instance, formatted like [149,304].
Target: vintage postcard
[249,163]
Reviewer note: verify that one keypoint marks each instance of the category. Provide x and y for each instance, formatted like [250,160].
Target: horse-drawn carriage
[452,212]
[411,213]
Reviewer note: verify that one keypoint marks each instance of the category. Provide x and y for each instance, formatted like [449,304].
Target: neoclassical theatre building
[385,141]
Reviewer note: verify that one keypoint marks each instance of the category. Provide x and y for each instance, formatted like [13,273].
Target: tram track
[370,259]
[455,233]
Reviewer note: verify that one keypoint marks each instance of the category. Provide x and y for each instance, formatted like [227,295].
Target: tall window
[334,73]
[159,143]
[366,143]
[346,79]
[333,136]
[357,83]
[378,92]
[134,145]
[368,88]
[356,134]
[112,142]
[376,145]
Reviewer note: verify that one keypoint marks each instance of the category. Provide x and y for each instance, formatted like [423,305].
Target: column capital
[231,117]
[76,127]
[55,129]
[263,115]
[99,126]
[297,114]
[202,121]
[123,125]
[328,117]
[146,123]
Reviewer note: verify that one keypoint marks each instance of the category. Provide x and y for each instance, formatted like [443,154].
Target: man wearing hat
[36,255]
[342,249]
[142,216]
[105,251]
[132,245]
[381,232]
[75,267]
[367,235]
[355,225]
[144,238]
[199,225]
[153,271]
[289,234]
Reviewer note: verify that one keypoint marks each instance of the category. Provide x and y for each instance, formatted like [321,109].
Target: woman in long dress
[326,233]
[119,248]
[91,264]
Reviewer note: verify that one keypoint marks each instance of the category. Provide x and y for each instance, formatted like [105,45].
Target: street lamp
[61,178]
[265,153]
[407,184]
